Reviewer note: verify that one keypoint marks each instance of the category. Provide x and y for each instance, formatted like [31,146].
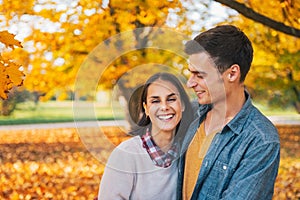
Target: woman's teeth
[165,117]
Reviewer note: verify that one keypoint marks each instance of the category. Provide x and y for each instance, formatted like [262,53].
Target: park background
[44,44]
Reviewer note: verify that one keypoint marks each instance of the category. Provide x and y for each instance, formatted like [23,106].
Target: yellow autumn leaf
[9,39]
[14,74]
[10,74]
[4,82]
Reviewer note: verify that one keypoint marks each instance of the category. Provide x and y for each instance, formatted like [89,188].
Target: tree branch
[251,14]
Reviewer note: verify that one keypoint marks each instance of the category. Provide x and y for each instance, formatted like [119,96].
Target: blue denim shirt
[242,161]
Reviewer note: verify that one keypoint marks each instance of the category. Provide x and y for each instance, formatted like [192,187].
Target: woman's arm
[118,179]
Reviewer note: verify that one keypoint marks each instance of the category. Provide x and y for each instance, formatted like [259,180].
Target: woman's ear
[182,107]
[145,108]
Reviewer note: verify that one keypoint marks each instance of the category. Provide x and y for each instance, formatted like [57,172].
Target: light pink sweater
[131,174]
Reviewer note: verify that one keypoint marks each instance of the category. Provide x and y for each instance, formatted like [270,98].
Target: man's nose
[191,83]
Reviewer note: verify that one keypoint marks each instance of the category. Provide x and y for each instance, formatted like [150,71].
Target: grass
[63,111]
[50,112]
[280,111]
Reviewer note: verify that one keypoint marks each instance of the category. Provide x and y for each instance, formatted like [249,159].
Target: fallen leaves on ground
[48,171]
[49,164]
[54,164]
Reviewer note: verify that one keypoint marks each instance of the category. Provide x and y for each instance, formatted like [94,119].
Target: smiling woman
[148,160]
[164,108]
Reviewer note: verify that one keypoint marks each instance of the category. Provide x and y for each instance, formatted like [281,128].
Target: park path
[285,120]
[277,120]
[65,125]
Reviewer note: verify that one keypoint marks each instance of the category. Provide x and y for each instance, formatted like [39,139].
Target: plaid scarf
[159,158]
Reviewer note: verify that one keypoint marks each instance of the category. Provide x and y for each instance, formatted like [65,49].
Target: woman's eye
[155,101]
[172,99]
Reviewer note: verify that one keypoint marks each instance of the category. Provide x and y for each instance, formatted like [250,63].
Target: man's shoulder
[258,117]
[258,123]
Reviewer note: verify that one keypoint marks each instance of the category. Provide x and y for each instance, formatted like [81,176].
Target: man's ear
[233,73]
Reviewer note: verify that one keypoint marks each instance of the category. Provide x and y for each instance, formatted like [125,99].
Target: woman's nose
[164,105]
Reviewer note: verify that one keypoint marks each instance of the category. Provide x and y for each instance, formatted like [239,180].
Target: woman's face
[163,106]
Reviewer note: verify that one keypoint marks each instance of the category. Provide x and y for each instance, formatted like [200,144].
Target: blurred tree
[15,96]
[60,35]
[76,28]
[273,27]
[275,74]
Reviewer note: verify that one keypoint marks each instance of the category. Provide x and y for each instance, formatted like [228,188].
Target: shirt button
[224,167]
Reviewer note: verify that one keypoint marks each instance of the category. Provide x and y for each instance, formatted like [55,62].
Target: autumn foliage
[60,35]
[54,164]
[10,75]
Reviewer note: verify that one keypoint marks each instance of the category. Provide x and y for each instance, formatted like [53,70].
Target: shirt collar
[159,158]
[203,109]
[238,122]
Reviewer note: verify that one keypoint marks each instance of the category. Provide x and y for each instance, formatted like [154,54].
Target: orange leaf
[15,75]
[4,82]
[9,39]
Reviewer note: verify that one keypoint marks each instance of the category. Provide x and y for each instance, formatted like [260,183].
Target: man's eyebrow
[197,72]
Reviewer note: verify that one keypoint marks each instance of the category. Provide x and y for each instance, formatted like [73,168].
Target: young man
[231,150]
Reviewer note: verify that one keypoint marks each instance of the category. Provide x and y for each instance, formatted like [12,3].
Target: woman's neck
[163,140]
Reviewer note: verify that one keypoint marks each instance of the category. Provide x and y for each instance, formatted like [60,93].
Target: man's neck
[224,111]
[234,104]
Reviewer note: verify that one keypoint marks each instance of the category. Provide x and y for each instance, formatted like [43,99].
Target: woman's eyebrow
[157,97]
[172,94]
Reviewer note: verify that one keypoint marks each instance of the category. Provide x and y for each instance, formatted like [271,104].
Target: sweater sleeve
[118,179]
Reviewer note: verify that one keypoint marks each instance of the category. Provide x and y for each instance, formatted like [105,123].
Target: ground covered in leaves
[54,164]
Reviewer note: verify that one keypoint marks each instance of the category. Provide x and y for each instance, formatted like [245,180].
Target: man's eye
[200,76]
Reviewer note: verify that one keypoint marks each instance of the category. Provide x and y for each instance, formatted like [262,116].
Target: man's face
[205,79]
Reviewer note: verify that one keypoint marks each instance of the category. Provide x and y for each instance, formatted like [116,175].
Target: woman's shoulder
[124,157]
[130,144]
[128,148]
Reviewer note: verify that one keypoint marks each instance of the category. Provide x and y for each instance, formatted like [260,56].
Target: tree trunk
[8,106]
[297,106]
[133,106]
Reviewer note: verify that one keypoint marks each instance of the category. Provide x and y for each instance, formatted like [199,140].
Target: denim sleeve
[255,176]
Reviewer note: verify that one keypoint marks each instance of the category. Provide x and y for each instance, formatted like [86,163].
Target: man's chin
[203,102]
